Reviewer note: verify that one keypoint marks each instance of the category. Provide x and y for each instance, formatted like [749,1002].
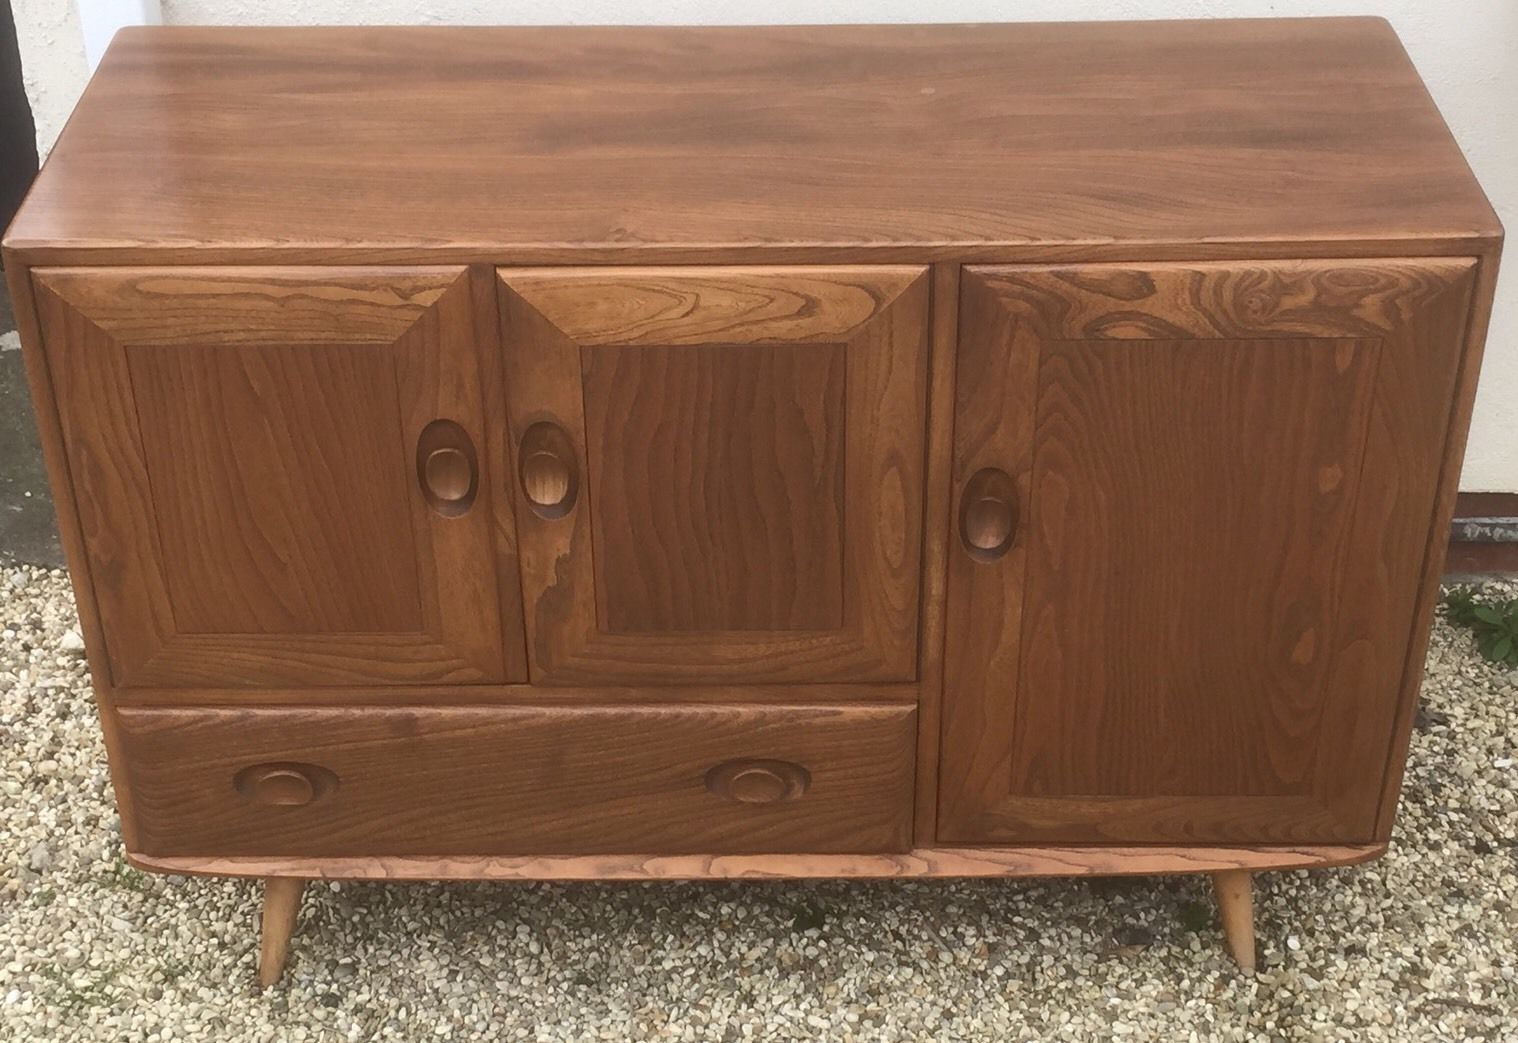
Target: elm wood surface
[540,695]
[918,862]
[1474,344]
[717,534]
[837,147]
[1225,475]
[935,543]
[243,440]
[546,145]
[482,781]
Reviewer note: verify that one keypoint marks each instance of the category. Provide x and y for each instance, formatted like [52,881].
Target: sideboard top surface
[536,143]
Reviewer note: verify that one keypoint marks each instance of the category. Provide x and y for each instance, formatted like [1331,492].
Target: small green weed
[1494,622]
[123,877]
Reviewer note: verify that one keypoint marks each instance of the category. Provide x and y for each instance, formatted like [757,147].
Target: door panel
[247,446]
[755,435]
[722,471]
[1220,479]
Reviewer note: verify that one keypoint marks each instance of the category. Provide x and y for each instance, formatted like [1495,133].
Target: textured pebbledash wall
[1467,51]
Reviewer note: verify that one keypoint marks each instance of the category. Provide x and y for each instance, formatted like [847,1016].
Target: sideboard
[755,452]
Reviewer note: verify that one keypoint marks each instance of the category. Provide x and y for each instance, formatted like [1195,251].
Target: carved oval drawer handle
[546,466]
[758,781]
[285,784]
[988,514]
[447,468]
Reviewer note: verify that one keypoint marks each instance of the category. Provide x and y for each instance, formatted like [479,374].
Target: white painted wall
[1467,50]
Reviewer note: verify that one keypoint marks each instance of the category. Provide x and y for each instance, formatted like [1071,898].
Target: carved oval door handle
[988,514]
[284,784]
[758,781]
[546,466]
[447,468]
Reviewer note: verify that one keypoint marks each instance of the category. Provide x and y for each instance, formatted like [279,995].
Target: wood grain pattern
[585,145]
[273,497]
[243,440]
[751,442]
[938,498]
[70,530]
[316,640]
[1178,431]
[1473,346]
[513,694]
[520,781]
[1150,667]
[919,862]
[635,584]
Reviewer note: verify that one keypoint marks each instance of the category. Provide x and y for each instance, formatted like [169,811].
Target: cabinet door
[1193,507]
[281,473]
[720,471]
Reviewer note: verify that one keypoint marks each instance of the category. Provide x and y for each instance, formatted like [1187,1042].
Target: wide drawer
[489,780]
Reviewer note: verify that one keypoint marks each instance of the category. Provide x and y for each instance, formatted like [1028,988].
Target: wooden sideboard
[666,453]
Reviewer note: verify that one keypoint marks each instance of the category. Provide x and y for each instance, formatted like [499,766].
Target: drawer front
[498,781]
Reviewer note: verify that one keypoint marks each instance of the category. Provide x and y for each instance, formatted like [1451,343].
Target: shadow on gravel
[28,529]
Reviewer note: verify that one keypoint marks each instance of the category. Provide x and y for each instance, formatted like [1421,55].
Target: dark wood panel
[592,619]
[719,469]
[618,139]
[1188,511]
[1222,478]
[245,445]
[282,782]
[274,496]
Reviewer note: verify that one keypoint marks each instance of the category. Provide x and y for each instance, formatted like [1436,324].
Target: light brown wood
[70,531]
[281,909]
[1235,893]
[247,438]
[510,781]
[717,534]
[1197,633]
[919,862]
[707,145]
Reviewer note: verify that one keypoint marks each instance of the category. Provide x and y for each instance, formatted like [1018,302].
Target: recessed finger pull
[546,465]
[447,468]
[988,514]
[284,784]
[758,781]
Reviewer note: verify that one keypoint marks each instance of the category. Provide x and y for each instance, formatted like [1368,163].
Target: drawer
[497,781]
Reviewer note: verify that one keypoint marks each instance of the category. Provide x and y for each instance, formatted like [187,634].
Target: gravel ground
[1420,945]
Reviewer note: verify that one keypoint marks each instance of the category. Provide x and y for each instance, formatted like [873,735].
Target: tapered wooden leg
[1235,891]
[281,906]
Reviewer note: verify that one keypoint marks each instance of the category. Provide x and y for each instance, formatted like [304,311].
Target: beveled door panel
[282,473]
[722,471]
[1217,481]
